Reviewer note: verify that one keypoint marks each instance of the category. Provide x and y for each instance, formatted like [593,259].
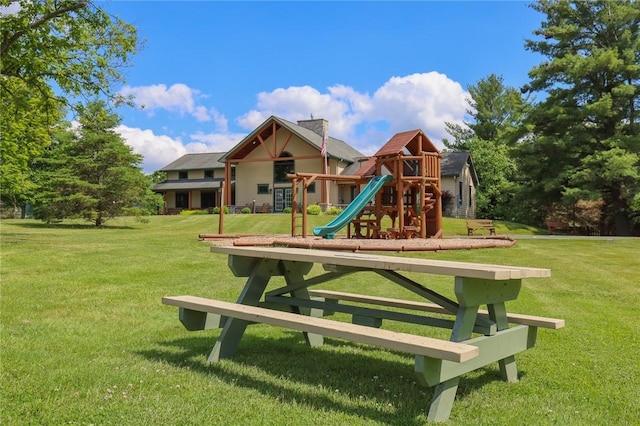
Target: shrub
[245,210]
[314,209]
[192,212]
[216,210]
[287,210]
[333,211]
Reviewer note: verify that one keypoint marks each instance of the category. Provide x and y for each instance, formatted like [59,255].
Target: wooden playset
[402,182]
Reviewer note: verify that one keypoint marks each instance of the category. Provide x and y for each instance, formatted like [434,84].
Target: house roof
[200,161]
[335,147]
[187,185]
[453,163]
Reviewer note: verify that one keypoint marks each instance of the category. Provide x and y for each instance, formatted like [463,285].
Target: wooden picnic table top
[393,263]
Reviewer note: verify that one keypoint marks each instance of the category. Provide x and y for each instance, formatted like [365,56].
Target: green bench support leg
[508,368]
[234,328]
[445,393]
[471,293]
[443,398]
[294,273]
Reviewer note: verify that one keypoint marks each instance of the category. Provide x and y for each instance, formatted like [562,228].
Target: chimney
[317,126]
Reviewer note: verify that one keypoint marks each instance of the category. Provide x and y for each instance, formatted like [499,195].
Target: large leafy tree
[23,135]
[497,114]
[89,172]
[586,141]
[71,45]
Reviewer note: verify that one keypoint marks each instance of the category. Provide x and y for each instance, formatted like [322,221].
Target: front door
[282,198]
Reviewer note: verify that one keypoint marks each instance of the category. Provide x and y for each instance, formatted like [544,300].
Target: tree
[89,172]
[71,45]
[586,140]
[497,113]
[24,131]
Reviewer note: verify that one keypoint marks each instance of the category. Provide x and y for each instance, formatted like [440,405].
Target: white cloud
[423,101]
[157,150]
[160,150]
[178,97]
[215,142]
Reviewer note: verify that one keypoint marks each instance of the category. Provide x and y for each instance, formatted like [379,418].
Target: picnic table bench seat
[419,345]
[533,320]
[480,224]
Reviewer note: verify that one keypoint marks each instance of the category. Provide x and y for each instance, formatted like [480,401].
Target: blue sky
[210,72]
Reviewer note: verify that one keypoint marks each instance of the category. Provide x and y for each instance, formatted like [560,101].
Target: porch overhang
[187,186]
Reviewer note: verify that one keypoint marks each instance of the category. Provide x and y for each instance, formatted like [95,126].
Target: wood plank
[536,321]
[419,345]
[394,263]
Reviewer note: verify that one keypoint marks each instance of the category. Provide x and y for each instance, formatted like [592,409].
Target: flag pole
[325,158]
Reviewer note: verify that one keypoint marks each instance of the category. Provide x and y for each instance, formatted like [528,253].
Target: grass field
[85,339]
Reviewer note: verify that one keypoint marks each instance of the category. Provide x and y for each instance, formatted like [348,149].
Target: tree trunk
[622,224]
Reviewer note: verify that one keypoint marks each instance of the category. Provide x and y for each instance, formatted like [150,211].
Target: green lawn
[85,339]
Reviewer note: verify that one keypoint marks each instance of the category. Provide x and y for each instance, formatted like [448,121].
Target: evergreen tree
[586,140]
[89,172]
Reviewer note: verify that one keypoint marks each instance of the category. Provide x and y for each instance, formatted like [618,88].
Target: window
[470,199]
[311,189]
[263,188]
[460,194]
[283,167]
[182,200]
[208,174]
[207,199]
[183,175]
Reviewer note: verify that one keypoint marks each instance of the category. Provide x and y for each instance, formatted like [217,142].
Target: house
[459,185]
[193,182]
[276,148]
[255,171]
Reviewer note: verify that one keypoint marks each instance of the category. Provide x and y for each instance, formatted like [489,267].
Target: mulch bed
[354,244]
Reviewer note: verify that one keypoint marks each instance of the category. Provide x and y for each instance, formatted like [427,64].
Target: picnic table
[478,337]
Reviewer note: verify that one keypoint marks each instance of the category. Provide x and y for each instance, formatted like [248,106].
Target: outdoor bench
[477,337]
[480,224]
[419,345]
[558,226]
[335,296]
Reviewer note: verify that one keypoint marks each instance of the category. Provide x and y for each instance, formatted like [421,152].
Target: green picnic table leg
[294,273]
[493,294]
[445,393]
[234,328]
[508,368]
[471,293]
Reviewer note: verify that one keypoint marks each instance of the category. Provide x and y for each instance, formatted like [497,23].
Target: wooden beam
[256,160]
[285,145]
[323,176]
[266,148]
[294,206]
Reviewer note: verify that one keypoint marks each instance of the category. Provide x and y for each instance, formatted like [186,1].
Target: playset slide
[360,202]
